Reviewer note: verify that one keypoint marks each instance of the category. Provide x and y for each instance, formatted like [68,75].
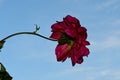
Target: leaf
[2,68]
[37,27]
[1,44]
[4,75]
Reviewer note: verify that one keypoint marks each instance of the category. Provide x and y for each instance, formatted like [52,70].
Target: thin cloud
[116,22]
[67,72]
[111,73]
[111,42]
[107,4]
[107,43]
[85,73]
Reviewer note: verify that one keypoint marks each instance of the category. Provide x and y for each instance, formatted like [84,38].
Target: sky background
[28,57]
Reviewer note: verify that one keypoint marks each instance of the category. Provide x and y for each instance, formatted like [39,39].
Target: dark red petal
[82,33]
[82,29]
[84,51]
[71,32]
[61,52]
[73,60]
[86,43]
[56,35]
[71,19]
[58,27]
[80,60]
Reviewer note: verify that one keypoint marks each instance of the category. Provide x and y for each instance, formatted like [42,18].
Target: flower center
[66,39]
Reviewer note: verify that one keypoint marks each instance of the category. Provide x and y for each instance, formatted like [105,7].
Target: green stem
[31,33]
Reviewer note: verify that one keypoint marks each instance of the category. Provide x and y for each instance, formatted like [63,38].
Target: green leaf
[1,44]
[2,68]
[4,75]
[37,27]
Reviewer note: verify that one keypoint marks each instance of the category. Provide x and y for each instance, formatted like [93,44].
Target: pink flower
[71,38]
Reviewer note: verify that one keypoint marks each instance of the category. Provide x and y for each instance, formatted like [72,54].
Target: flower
[71,37]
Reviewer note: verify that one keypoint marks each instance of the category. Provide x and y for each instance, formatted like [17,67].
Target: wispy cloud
[66,73]
[109,39]
[113,73]
[116,22]
[96,73]
[107,4]
[108,42]
[88,73]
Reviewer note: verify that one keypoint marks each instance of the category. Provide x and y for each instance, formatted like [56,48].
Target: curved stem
[32,33]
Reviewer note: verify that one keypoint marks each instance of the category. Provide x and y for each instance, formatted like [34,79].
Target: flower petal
[71,32]
[84,51]
[62,52]
[72,20]
[60,26]
[80,60]
[73,59]
[56,35]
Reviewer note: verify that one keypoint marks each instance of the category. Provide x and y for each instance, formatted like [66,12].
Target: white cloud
[64,73]
[88,73]
[110,42]
[106,4]
[116,22]
[97,73]
[112,22]
[73,70]
[114,74]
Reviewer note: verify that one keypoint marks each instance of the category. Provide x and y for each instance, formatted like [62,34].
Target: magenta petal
[56,35]
[84,51]
[73,60]
[71,32]
[80,60]
[82,29]
[71,19]
[57,27]
[61,52]
[86,43]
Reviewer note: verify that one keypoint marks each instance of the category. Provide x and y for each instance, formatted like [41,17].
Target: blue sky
[28,57]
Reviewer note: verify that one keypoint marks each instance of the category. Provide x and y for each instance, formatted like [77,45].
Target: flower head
[71,38]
